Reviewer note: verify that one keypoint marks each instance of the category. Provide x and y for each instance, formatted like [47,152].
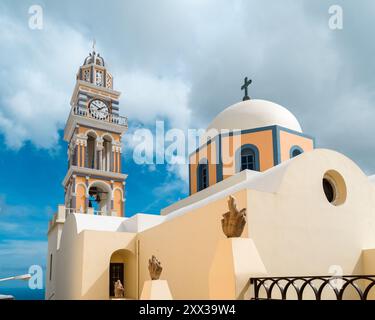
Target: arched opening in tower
[100,200]
[91,140]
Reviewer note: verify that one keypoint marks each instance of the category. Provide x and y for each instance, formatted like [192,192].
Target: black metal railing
[313,287]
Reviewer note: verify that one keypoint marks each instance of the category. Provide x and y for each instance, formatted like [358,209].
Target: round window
[334,187]
[329,190]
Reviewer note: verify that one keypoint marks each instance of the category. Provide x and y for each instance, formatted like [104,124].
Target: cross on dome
[247,82]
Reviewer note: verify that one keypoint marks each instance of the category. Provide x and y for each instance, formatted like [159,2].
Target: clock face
[98,109]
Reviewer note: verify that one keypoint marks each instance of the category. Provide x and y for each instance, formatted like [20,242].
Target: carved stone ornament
[155,268]
[119,289]
[233,221]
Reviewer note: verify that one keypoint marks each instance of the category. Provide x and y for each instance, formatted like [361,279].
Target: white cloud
[184,61]
[17,256]
[147,98]
[8,226]
[22,249]
[40,73]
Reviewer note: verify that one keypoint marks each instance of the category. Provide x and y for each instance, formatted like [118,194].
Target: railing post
[253,289]
[61,216]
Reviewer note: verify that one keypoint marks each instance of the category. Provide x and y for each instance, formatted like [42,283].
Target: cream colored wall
[99,247]
[185,246]
[83,259]
[68,272]
[298,232]
[50,284]
[368,259]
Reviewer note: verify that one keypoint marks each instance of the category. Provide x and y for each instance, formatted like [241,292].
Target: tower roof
[94,70]
[94,58]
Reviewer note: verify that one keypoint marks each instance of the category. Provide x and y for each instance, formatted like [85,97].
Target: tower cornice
[75,120]
[90,88]
[94,173]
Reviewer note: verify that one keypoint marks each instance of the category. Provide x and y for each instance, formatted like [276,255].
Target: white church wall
[140,222]
[83,260]
[298,232]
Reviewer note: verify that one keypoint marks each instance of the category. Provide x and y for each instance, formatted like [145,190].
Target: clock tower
[94,183]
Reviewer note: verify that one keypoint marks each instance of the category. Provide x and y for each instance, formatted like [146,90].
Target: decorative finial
[234,220]
[93,45]
[247,82]
[155,268]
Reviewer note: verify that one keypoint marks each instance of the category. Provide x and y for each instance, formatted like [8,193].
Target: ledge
[93,172]
[74,120]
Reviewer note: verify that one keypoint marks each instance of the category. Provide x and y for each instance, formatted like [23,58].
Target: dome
[250,114]
[94,58]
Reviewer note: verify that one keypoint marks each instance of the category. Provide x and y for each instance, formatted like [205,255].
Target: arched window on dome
[202,175]
[295,151]
[247,158]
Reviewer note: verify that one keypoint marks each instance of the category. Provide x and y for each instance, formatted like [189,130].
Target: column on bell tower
[116,155]
[99,153]
[78,145]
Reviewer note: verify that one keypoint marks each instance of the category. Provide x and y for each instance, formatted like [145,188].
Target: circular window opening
[329,190]
[334,187]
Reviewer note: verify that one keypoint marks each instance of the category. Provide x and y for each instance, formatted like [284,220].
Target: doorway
[116,272]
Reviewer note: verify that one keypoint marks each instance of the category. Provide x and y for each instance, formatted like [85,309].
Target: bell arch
[99,195]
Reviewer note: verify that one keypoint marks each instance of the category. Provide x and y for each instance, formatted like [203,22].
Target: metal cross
[247,82]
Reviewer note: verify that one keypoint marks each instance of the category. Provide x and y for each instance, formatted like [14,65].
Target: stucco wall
[185,246]
[298,232]
[99,247]
[82,270]
[68,272]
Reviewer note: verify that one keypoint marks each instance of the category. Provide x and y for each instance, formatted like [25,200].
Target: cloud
[148,98]
[17,256]
[21,231]
[184,61]
[8,226]
[22,221]
[39,73]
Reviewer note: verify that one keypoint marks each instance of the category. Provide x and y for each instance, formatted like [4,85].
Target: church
[308,214]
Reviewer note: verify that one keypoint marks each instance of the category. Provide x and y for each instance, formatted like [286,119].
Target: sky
[177,61]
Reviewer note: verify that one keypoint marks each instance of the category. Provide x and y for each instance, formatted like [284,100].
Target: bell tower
[94,183]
